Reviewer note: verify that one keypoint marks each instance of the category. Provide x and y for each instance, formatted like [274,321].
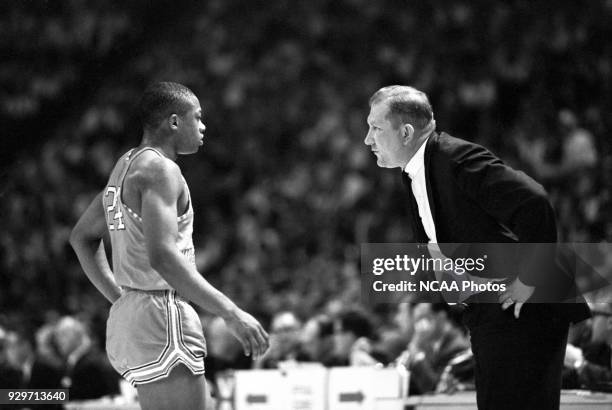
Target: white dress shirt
[416,171]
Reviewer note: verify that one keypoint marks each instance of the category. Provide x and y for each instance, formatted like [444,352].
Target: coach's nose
[368,139]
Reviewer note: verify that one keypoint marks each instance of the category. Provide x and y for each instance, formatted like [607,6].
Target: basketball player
[154,337]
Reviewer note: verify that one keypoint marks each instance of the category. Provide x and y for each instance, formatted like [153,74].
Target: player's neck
[160,145]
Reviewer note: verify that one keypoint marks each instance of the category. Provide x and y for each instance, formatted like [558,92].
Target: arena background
[284,190]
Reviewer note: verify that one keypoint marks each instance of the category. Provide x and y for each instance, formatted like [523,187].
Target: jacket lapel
[431,145]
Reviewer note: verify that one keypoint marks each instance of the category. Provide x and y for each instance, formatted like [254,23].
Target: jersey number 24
[114,212]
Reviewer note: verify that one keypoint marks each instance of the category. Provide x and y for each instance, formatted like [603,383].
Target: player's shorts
[148,333]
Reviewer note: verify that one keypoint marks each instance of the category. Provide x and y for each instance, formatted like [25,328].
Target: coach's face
[384,139]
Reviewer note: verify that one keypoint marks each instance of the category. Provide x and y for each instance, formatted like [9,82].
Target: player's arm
[86,240]
[160,184]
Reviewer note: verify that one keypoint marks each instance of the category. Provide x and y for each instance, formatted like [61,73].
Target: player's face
[384,140]
[191,136]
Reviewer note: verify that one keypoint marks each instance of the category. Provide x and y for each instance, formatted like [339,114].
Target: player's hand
[516,294]
[249,332]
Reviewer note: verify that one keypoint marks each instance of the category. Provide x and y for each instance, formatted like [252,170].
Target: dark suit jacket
[475,198]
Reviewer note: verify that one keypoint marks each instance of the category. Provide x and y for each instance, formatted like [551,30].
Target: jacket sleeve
[512,198]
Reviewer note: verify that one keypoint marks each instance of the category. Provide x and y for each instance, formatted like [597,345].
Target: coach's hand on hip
[516,294]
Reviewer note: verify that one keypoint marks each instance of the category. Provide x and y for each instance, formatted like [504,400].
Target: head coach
[459,192]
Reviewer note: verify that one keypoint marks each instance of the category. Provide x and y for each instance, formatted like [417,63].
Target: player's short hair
[407,105]
[160,100]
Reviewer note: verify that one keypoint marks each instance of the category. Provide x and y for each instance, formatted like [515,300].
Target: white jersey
[131,264]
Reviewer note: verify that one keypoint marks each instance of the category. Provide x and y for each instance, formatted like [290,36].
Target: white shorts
[148,333]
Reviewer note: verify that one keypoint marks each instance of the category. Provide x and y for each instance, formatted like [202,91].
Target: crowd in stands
[426,339]
[61,354]
[284,191]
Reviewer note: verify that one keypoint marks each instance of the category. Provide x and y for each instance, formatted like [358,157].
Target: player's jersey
[131,264]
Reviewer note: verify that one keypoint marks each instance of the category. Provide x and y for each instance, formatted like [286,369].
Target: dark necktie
[417,224]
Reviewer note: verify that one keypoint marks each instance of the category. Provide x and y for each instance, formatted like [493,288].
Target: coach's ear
[408,133]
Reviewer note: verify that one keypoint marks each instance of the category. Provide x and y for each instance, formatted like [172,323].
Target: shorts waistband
[155,292]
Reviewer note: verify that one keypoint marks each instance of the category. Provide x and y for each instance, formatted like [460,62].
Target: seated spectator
[27,367]
[9,375]
[589,366]
[87,372]
[353,340]
[577,151]
[284,341]
[36,371]
[46,349]
[394,340]
[438,339]
[316,340]
[224,351]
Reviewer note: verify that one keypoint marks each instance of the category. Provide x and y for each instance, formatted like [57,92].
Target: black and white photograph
[306,205]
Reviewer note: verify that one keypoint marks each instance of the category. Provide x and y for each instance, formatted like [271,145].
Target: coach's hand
[249,332]
[516,294]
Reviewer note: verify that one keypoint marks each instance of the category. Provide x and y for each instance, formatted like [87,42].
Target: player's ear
[173,121]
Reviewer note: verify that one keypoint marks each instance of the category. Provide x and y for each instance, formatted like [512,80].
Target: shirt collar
[417,162]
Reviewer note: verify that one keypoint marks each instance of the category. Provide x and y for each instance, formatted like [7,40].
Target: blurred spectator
[438,339]
[46,349]
[567,164]
[284,341]
[576,149]
[316,340]
[394,340]
[590,365]
[353,340]
[9,374]
[224,351]
[36,371]
[87,372]
[28,368]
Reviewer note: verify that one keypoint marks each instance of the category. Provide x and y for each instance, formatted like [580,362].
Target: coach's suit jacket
[475,198]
